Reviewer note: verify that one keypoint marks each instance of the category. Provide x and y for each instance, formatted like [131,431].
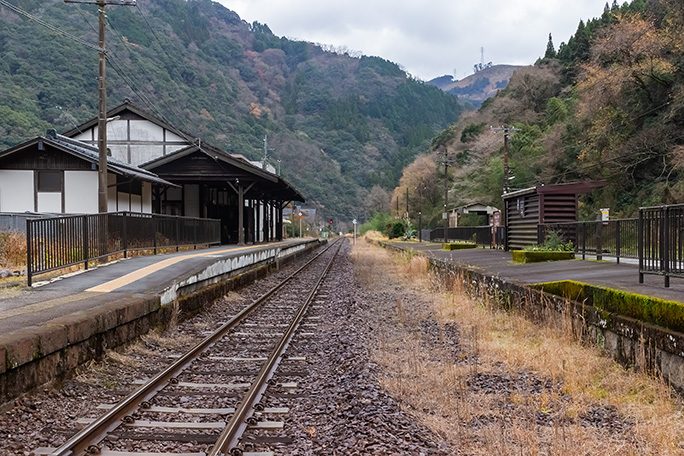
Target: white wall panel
[143,154]
[136,203]
[147,197]
[50,202]
[117,130]
[16,191]
[80,192]
[143,130]
[123,202]
[119,151]
[111,193]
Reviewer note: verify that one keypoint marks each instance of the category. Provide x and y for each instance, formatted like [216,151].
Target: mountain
[479,86]
[608,105]
[337,124]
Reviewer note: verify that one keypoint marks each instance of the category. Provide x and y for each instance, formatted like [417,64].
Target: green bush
[458,245]
[377,222]
[537,256]
[553,242]
[394,230]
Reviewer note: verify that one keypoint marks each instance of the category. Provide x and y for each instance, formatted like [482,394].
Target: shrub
[553,242]
[395,229]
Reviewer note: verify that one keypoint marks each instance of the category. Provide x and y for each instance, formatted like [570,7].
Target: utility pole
[266,151]
[102,91]
[507,169]
[407,212]
[445,214]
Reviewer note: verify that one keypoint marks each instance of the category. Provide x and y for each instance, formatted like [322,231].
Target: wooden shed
[525,209]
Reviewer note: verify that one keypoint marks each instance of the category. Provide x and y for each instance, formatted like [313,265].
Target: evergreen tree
[550,49]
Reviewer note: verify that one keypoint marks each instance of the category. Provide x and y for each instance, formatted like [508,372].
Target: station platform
[493,262]
[50,328]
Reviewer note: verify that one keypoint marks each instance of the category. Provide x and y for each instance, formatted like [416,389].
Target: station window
[49,181]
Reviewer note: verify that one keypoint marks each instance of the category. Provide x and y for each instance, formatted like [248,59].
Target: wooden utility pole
[102,91]
[507,170]
[445,214]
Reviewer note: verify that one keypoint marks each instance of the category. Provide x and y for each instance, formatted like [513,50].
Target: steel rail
[227,442]
[86,440]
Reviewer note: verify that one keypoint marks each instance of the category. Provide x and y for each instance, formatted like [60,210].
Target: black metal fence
[481,235]
[61,242]
[614,238]
[661,241]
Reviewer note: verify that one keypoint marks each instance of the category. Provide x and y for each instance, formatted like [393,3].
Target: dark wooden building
[525,209]
[248,200]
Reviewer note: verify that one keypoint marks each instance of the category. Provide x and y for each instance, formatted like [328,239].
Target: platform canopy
[210,165]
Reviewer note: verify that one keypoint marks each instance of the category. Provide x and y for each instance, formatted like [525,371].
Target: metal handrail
[64,241]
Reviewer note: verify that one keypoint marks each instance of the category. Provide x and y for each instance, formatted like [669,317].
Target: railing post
[599,243]
[178,237]
[540,237]
[154,233]
[640,244]
[125,236]
[29,248]
[617,240]
[86,246]
[665,242]
[584,240]
[194,225]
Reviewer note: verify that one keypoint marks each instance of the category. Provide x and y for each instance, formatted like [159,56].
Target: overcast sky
[429,38]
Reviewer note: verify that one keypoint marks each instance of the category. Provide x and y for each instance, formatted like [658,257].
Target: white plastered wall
[80,192]
[16,191]
[147,197]
[111,193]
[50,202]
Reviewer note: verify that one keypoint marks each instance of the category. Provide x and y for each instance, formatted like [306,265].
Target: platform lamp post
[420,226]
[445,215]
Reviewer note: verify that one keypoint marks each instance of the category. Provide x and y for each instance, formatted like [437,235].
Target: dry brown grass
[13,250]
[437,383]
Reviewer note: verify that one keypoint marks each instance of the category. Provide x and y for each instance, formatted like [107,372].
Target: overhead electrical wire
[49,26]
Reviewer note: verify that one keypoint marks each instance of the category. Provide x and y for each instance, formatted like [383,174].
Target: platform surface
[141,276]
[493,262]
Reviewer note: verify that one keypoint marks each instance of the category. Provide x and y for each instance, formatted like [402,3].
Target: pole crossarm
[507,171]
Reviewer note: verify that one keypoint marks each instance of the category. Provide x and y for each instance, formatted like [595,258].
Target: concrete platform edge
[630,342]
[35,356]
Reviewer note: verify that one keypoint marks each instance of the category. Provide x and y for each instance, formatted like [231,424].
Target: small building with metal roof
[525,209]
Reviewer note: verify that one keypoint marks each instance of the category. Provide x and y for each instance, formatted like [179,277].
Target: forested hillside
[339,124]
[608,104]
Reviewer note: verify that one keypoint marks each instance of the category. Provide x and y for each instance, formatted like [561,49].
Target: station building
[153,167]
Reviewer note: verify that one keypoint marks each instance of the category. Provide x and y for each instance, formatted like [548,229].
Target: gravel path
[339,407]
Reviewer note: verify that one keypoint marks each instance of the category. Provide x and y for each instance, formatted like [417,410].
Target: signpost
[354,222]
[300,224]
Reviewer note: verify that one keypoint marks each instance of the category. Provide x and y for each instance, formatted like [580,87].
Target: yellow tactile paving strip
[131,277]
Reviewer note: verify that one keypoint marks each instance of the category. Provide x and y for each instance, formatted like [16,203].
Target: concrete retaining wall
[630,342]
[51,352]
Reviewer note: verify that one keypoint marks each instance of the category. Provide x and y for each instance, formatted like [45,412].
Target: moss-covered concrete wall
[631,342]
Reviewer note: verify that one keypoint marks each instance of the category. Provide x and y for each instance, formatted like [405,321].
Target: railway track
[228,394]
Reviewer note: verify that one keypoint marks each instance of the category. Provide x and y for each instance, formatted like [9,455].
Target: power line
[49,26]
